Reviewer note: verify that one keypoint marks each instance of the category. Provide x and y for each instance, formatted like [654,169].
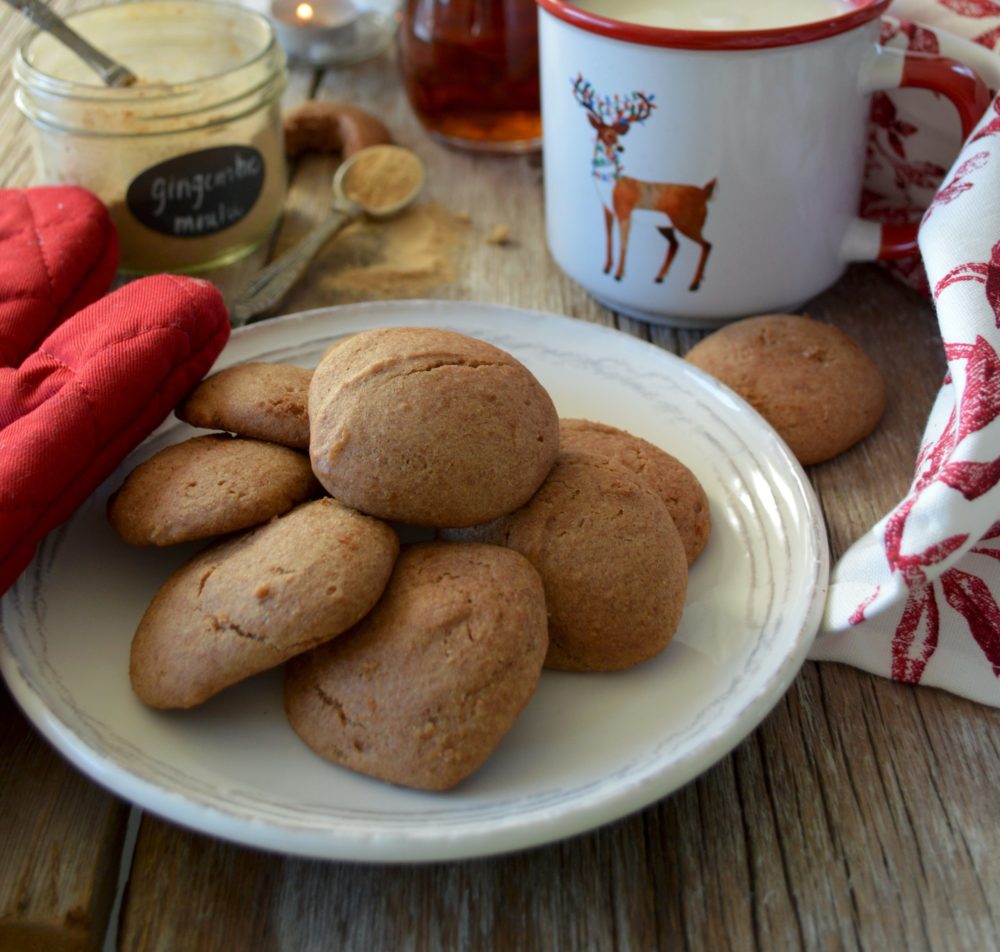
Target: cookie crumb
[498,235]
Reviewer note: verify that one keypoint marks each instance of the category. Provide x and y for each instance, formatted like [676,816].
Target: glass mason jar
[190,160]
[470,69]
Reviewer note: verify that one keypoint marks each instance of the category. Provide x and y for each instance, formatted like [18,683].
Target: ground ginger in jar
[190,160]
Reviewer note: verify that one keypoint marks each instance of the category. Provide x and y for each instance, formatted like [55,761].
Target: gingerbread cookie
[251,602]
[809,380]
[429,427]
[666,475]
[263,401]
[610,558]
[424,688]
[209,486]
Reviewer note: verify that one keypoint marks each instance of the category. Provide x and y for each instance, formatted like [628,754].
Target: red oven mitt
[83,379]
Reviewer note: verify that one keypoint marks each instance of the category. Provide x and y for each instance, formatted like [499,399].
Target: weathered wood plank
[60,840]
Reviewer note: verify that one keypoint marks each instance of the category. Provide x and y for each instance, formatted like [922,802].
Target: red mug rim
[864,11]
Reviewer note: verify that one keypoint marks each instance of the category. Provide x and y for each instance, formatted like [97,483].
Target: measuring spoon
[395,178]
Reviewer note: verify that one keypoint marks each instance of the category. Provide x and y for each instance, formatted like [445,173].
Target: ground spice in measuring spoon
[382,179]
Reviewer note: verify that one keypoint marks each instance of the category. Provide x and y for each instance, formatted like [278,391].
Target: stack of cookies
[556,543]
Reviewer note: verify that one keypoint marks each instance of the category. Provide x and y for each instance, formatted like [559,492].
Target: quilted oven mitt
[83,378]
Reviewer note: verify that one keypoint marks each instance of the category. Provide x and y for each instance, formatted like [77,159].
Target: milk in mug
[717,14]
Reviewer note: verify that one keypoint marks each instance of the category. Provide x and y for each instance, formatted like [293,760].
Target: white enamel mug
[694,177]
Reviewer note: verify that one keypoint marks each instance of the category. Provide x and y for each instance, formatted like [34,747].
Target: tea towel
[917,598]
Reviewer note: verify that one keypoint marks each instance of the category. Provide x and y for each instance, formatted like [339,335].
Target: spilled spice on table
[403,257]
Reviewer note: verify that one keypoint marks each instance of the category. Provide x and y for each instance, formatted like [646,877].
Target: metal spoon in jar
[113,74]
[378,181]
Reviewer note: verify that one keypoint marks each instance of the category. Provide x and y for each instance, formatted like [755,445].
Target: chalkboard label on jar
[200,193]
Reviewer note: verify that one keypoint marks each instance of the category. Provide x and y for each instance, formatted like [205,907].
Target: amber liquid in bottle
[470,69]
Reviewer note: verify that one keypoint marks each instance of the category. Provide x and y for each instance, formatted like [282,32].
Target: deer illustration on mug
[685,206]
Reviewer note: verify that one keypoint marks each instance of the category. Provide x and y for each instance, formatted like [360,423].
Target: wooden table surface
[860,814]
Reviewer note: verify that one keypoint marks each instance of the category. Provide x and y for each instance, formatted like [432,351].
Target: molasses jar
[470,70]
[189,160]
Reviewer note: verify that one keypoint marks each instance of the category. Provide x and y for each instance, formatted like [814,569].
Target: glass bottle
[470,70]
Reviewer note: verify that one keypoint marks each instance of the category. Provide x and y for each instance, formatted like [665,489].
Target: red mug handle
[895,69]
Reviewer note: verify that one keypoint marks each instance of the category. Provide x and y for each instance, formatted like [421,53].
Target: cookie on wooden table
[666,475]
[429,427]
[209,486]
[611,560]
[263,401]
[251,602]
[422,691]
[809,380]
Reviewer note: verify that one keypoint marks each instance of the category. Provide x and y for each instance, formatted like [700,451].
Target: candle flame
[304,11]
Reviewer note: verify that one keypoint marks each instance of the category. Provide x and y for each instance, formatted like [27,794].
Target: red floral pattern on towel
[917,598]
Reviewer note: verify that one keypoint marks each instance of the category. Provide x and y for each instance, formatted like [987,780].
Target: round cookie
[666,475]
[429,427]
[809,380]
[251,602]
[208,486]
[263,401]
[424,688]
[610,558]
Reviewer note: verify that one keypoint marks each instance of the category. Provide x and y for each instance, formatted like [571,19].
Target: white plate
[588,748]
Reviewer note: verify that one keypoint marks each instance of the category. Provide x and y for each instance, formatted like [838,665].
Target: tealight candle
[315,31]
